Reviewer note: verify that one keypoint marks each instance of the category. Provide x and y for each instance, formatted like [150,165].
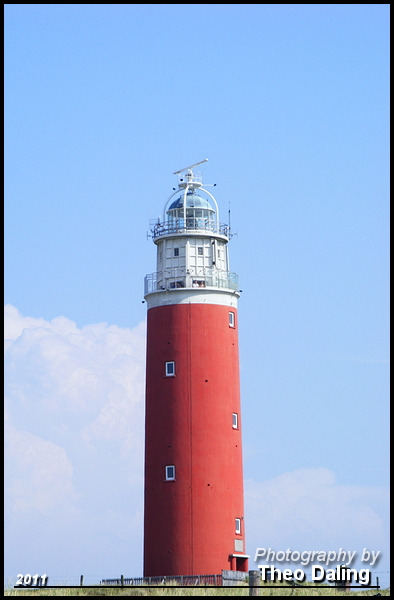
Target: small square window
[238,526]
[200,251]
[235,421]
[170,369]
[170,473]
[176,251]
[231,319]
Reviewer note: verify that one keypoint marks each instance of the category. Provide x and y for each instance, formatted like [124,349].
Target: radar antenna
[191,166]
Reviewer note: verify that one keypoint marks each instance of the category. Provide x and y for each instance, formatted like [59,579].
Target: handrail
[173,279]
[193,225]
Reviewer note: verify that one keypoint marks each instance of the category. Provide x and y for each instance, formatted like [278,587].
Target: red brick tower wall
[190,523]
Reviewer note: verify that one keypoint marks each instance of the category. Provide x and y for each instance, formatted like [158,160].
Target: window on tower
[235,421]
[238,526]
[176,251]
[170,473]
[231,316]
[170,369]
[200,251]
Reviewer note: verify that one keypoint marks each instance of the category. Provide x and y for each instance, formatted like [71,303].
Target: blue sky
[290,103]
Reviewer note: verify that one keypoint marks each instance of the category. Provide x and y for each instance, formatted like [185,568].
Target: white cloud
[40,474]
[14,323]
[308,510]
[74,409]
[71,369]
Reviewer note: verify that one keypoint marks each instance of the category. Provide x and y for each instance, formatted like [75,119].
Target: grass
[166,590]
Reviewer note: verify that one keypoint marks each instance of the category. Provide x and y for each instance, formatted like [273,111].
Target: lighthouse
[194,509]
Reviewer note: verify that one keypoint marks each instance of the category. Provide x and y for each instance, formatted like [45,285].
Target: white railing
[193,225]
[173,279]
[184,178]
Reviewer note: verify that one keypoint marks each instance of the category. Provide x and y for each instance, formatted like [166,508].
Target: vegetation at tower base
[165,590]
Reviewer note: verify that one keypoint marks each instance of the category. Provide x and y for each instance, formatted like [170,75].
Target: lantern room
[191,211]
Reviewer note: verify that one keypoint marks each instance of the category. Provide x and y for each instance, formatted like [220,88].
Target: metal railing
[181,580]
[196,177]
[193,225]
[177,278]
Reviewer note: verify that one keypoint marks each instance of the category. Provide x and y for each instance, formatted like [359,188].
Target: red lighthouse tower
[194,509]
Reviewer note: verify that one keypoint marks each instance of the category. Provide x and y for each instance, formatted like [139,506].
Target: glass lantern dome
[199,213]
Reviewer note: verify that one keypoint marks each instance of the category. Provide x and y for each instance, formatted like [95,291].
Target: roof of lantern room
[193,200]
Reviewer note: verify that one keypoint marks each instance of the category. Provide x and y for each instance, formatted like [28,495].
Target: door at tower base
[194,513]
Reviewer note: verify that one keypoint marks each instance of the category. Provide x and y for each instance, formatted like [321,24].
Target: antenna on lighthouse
[190,179]
[191,166]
